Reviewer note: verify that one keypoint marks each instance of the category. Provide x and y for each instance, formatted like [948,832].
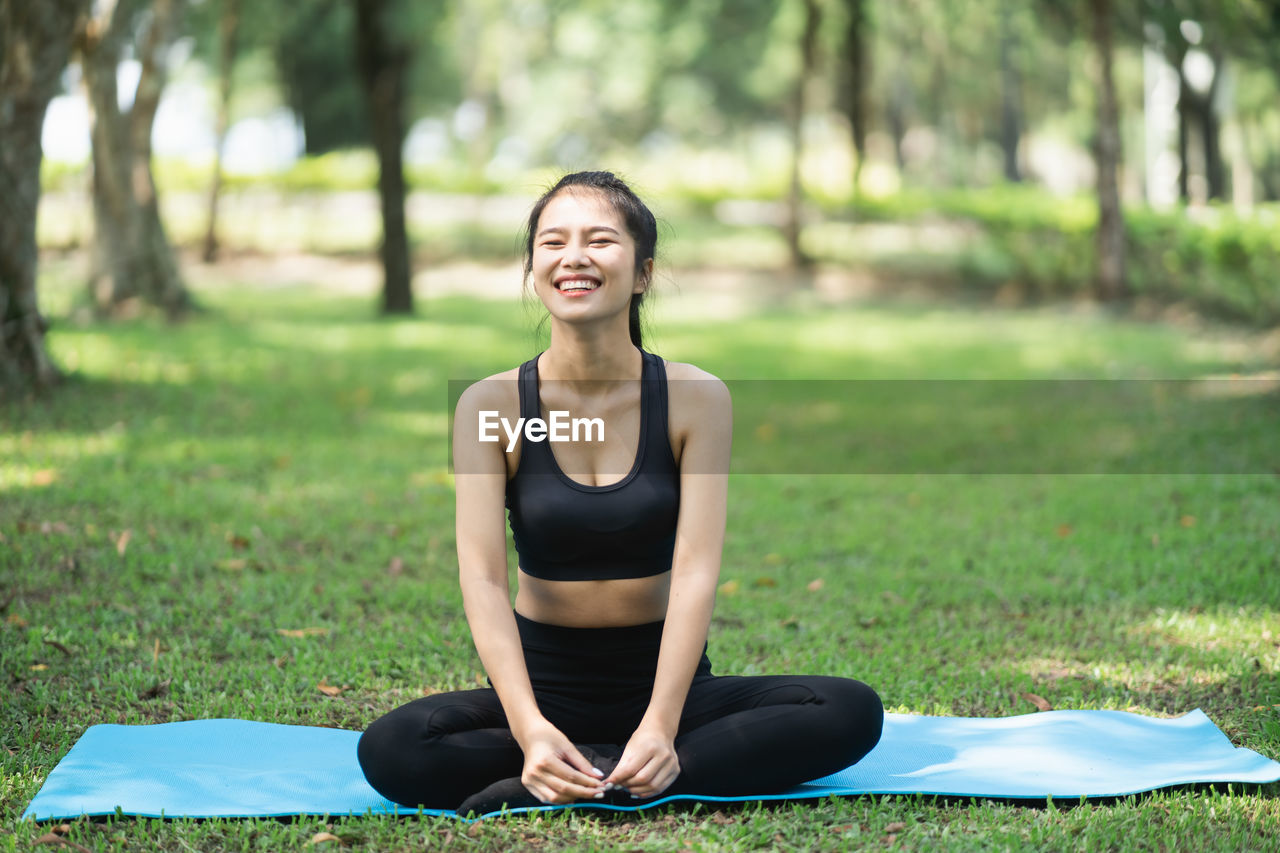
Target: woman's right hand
[555,771]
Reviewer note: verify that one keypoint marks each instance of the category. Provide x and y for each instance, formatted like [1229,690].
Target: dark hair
[640,223]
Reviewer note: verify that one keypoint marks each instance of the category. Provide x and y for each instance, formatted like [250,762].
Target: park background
[245,247]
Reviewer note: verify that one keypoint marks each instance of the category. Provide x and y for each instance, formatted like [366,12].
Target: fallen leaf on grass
[1064,530]
[44,477]
[764,582]
[1039,701]
[160,688]
[234,565]
[66,651]
[772,559]
[62,829]
[302,632]
[896,826]
[322,837]
[396,567]
[330,689]
[39,667]
[122,541]
[51,838]
[730,588]
[238,542]
[1187,521]
[15,620]
[47,527]
[815,585]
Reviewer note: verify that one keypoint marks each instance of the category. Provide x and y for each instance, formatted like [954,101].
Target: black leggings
[738,735]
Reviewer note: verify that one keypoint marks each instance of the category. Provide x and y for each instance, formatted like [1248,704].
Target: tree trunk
[1211,133]
[132,259]
[383,60]
[1010,98]
[795,192]
[1111,236]
[856,66]
[1184,143]
[228,26]
[896,113]
[35,41]
[164,285]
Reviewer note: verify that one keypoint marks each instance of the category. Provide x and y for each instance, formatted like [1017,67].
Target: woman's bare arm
[554,769]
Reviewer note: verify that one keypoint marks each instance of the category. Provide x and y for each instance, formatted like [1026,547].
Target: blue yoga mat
[241,768]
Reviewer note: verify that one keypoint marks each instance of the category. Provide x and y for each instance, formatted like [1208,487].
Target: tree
[795,119]
[383,55]
[1010,95]
[1111,233]
[228,28]
[856,65]
[311,40]
[35,40]
[132,258]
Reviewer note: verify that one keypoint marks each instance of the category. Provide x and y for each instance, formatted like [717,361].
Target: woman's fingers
[553,779]
[648,766]
[653,778]
[578,761]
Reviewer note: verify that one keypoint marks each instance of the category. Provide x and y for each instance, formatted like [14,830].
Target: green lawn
[280,464]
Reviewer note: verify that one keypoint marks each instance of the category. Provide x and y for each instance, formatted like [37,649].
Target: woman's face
[584,259]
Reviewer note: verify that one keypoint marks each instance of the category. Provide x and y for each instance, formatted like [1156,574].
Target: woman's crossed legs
[738,735]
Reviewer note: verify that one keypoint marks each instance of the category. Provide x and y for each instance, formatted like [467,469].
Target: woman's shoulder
[683,370]
[498,391]
[690,387]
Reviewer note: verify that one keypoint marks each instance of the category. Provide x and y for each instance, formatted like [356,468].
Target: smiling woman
[601,685]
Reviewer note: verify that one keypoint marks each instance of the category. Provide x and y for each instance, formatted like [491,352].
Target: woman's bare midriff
[593,604]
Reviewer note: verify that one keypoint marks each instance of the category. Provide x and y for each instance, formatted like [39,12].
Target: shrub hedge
[1212,258]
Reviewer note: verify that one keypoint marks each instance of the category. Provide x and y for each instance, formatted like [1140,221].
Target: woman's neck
[576,357]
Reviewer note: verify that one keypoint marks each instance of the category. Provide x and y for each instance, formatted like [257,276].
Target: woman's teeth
[578,284]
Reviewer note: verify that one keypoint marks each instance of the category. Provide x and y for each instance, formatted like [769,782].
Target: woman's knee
[396,756]
[856,713]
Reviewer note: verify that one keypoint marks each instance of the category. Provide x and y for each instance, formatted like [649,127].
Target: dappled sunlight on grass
[1250,630]
[427,424]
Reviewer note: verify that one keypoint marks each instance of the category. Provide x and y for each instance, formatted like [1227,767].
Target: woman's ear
[645,278]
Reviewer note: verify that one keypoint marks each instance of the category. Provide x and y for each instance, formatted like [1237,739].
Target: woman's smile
[577,284]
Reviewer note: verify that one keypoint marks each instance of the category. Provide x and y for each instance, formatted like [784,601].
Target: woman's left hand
[648,764]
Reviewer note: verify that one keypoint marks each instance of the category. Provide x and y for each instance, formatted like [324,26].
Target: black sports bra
[565,530]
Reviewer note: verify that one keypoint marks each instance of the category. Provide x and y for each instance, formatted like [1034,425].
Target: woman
[601,687]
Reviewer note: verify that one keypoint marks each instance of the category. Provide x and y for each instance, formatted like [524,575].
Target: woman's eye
[600,241]
[552,244]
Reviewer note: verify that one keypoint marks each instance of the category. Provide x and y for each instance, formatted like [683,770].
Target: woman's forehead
[577,209]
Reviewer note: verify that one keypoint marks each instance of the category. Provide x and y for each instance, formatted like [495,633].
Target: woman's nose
[575,254]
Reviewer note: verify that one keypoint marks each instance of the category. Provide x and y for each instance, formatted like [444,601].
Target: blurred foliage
[687,99]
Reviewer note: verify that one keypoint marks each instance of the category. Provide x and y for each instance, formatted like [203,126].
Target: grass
[280,464]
